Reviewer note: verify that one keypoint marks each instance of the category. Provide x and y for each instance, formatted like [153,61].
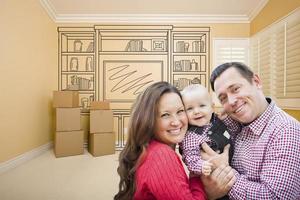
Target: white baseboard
[12,163]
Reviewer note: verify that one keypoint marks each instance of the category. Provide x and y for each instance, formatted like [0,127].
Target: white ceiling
[174,11]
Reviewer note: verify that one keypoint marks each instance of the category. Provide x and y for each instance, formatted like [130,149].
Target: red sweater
[161,176]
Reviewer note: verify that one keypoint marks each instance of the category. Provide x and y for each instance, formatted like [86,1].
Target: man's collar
[258,125]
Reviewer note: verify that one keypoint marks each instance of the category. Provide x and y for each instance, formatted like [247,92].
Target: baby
[204,126]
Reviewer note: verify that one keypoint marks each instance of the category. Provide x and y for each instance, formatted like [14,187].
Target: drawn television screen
[124,80]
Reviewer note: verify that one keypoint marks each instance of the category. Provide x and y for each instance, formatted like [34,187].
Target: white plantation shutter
[293,58]
[230,50]
[265,60]
[275,56]
[254,52]
[279,65]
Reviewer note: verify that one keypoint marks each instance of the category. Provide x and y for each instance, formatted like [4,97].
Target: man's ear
[257,81]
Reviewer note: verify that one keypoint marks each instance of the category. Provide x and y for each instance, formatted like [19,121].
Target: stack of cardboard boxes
[101,137]
[68,139]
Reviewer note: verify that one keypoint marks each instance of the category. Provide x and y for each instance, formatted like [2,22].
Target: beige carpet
[45,177]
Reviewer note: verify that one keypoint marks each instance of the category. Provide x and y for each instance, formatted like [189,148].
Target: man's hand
[219,182]
[213,157]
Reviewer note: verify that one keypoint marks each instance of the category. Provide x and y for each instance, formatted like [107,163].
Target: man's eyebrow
[229,87]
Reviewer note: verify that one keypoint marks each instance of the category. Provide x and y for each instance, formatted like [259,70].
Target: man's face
[242,100]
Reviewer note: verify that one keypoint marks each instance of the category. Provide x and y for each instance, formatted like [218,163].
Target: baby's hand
[206,168]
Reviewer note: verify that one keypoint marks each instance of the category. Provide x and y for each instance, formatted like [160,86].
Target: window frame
[277,56]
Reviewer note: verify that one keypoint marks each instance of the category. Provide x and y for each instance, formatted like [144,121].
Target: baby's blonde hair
[193,87]
[196,88]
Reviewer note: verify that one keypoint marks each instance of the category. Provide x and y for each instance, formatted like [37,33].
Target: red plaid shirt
[267,157]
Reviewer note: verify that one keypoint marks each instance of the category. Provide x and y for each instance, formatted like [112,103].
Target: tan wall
[227,31]
[294,113]
[28,68]
[30,72]
[230,30]
[216,30]
[273,11]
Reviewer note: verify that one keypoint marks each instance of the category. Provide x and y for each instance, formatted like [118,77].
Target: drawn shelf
[133,39]
[190,56]
[77,62]
[117,62]
[90,56]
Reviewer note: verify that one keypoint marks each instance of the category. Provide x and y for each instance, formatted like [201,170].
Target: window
[275,56]
[229,50]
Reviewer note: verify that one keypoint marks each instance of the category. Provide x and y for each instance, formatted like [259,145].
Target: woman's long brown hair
[141,130]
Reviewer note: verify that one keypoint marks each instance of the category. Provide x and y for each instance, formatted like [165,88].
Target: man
[266,161]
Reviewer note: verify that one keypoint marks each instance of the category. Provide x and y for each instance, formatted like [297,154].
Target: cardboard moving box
[68,143]
[99,105]
[102,144]
[65,99]
[101,121]
[68,119]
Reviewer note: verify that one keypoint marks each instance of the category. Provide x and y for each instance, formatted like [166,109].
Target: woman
[149,167]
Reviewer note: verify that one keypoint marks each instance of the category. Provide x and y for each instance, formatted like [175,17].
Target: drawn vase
[74,64]
[77,46]
[89,65]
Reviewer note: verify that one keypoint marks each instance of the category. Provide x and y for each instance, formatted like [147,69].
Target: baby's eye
[189,108]
[202,105]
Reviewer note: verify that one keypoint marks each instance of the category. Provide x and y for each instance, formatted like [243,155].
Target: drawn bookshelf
[117,62]
[77,63]
[190,56]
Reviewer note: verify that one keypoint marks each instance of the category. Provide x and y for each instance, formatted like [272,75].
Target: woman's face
[171,120]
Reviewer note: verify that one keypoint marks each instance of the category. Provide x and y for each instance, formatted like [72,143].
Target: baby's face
[198,107]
